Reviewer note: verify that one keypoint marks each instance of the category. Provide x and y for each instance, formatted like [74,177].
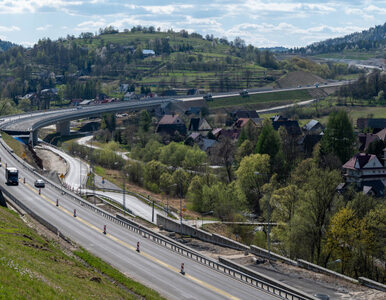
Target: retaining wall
[171,225]
[307,265]
[264,253]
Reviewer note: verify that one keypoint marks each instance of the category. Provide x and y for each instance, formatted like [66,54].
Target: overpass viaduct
[29,124]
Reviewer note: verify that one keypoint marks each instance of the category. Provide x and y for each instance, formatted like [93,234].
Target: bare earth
[52,161]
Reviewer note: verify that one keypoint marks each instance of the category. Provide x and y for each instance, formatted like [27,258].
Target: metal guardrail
[172,245]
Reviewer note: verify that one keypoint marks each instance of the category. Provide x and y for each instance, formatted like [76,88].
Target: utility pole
[92,172]
[180,208]
[80,176]
[124,194]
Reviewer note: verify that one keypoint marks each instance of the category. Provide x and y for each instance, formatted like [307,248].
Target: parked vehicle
[244,93]
[12,175]
[208,97]
[39,183]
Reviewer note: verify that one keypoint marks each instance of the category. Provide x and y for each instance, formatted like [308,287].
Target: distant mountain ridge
[373,38]
[5,45]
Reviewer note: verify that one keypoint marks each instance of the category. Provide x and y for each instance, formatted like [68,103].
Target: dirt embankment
[298,78]
[52,161]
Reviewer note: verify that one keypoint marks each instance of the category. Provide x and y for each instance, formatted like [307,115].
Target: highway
[77,173]
[155,266]
[254,91]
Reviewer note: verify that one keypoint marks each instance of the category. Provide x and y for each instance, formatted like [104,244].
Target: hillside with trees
[173,62]
[5,45]
[373,38]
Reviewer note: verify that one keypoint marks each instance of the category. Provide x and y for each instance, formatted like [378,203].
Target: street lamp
[268,218]
[123,188]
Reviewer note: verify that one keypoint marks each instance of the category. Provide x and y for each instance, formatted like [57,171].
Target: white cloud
[45,27]
[31,6]
[166,9]
[90,25]
[9,28]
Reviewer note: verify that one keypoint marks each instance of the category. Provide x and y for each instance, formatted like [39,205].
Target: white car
[39,183]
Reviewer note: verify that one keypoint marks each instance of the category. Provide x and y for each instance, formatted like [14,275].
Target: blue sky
[262,23]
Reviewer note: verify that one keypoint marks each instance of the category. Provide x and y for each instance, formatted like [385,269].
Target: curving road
[77,173]
[155,266]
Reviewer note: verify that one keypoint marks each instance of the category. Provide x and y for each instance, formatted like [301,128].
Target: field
[35,267]
[290,96]
[352,54]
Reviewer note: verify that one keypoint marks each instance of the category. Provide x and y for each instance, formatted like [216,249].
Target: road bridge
[29,124]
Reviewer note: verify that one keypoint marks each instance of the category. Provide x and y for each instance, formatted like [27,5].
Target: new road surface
[77,173]
[155,266]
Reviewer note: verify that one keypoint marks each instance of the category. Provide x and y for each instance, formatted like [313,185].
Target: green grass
[352,54]
[105,268]
[19,148]
[34,267]
[298,95]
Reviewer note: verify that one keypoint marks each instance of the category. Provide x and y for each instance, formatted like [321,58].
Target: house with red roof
[169,124]
[367,173]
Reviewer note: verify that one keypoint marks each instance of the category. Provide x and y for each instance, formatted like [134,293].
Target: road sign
[61,175]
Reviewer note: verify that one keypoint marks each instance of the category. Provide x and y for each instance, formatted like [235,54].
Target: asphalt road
[155,266]
[77,173]
[263,91]
[28,122]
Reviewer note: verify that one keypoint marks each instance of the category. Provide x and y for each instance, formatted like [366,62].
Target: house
[193,111]
[86,102]
[231,133]
[240,123]
[75,102]
[123,88]
[365,139]
[199,124]
[382,135]
[148,52]
[291,126]
[367,173]
[169,124]
[193,92]
[193,138]
[313,127]
[216,132]
[206,144]
[130,96]
[249,114]
[375,124]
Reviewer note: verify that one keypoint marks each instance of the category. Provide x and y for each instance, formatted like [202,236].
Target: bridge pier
[33,137]
[63,128]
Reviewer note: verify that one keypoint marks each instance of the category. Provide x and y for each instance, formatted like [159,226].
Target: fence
[162,241]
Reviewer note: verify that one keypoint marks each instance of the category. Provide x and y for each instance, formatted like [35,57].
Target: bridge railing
[282,291]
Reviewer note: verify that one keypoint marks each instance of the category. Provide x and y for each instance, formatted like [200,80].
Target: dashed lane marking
[148,256]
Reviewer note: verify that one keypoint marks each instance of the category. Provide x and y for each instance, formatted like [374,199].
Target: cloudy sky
[263,23]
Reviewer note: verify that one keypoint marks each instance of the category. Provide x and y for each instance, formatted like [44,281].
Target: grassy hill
[85,66]
[35,267]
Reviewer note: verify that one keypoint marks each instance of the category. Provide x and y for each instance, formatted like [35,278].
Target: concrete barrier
[264,278]
[274,256]
[372,284]
[171,225]
[313,267]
